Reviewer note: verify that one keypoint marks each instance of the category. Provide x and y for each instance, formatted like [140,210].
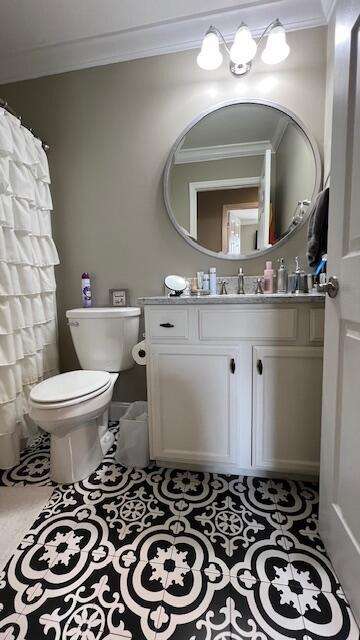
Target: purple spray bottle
[86,289]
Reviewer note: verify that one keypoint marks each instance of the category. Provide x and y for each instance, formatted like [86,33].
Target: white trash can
[133,441]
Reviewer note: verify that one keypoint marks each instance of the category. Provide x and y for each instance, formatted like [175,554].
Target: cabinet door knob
[232,365]
[259,366]
[167,325]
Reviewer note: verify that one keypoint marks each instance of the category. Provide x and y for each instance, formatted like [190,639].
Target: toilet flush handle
[73,323]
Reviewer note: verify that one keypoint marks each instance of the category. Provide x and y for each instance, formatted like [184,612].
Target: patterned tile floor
[162,554]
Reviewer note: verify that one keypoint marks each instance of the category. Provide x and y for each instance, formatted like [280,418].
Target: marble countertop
[274,298]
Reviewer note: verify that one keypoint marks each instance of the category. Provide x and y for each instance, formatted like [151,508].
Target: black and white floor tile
[165,554]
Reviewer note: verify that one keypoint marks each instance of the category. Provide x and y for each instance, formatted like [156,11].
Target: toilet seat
[70,388]
[70,403]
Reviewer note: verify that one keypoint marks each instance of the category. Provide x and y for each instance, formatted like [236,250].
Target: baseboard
[117,409]
[236,470]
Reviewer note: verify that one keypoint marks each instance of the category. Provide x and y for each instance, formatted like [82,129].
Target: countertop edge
[309,298]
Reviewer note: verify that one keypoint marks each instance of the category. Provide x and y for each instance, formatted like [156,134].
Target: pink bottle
[269,278]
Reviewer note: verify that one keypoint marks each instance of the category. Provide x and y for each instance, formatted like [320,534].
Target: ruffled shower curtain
[28,332]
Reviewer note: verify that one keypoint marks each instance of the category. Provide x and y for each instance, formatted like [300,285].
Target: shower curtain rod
[7,107]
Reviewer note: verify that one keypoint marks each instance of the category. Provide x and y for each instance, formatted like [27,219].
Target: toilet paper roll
[139,352]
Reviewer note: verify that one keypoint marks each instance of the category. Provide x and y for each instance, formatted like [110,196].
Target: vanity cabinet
[193,398]
[235,388]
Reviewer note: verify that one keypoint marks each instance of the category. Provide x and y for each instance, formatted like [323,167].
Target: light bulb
[210,56]
[276,49]
[244,47]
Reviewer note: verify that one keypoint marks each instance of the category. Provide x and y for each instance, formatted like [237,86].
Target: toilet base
[77,454]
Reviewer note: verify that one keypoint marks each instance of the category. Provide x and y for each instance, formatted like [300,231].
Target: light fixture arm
[217,31]
[274,23]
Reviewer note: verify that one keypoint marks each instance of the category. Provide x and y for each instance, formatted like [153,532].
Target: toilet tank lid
[104,312]
[70,385]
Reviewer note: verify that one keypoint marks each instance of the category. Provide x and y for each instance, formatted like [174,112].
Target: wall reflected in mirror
[241,179]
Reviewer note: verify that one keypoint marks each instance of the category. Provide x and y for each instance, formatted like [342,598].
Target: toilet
[73,407]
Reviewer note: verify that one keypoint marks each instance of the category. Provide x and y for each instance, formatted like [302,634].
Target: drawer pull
[232,365]
[167,325]
[259,366]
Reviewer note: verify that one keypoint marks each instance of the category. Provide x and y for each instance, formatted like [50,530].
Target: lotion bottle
[212,272]
[269,278]
[206,282]
[86,289]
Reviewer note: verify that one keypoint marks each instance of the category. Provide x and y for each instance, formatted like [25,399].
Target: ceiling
[43,37]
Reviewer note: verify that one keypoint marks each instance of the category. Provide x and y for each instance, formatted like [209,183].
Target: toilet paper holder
[139,353]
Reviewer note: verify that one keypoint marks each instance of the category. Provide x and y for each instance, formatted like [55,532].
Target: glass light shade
[210,56]
[244,47]
[276,49]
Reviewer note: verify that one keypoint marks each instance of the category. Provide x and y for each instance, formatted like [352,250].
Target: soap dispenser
[282,277]
[298,279]
[269,278]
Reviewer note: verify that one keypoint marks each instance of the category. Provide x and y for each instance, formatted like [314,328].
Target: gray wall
[110,130]
[295,176]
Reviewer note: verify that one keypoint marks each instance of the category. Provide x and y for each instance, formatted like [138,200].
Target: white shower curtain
[28,334]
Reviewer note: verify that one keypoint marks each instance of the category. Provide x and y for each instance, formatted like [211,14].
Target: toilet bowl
[73,406]
[77,419]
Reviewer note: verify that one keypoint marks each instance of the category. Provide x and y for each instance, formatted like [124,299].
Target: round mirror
[241,178]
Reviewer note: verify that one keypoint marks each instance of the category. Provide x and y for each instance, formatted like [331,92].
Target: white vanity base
[236,388]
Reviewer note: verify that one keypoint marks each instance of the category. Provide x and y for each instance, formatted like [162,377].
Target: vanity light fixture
[244,48]
[277,49]
[210,56]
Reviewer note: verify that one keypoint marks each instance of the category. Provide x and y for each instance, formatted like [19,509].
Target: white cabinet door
[287,408]
[193,403]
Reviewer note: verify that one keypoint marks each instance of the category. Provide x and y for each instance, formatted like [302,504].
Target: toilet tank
[104,336]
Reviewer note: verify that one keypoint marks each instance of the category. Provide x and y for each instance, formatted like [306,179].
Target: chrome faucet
[259,286]
[241,289]
[223,290]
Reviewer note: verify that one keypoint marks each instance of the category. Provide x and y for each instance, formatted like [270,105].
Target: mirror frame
[166,178]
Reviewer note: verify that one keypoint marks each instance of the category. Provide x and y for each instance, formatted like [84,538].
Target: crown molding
[279,133]
[328,8]
[222,152]
[156,39]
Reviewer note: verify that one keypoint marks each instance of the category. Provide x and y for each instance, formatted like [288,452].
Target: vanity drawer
[223,324]
[168,323]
